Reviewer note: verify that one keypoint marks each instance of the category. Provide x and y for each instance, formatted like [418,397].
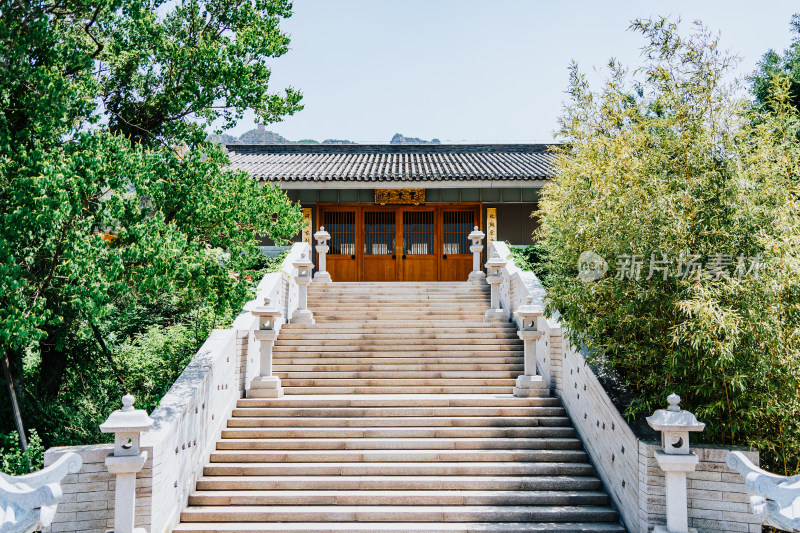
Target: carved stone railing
[774,499]
[29,502]
[187,422]
[627,465]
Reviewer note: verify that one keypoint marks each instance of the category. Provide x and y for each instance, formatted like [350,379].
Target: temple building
[403,212]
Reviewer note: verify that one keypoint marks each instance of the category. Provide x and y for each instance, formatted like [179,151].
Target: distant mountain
[401,139]
[261,135]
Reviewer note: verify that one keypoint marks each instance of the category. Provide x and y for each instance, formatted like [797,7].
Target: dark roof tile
[374,162]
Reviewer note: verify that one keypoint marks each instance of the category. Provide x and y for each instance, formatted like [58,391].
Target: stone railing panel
[626,465]
[188,422]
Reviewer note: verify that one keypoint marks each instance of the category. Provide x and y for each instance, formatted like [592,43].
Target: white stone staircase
[398,416]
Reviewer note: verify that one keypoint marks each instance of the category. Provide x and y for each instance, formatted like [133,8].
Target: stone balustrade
[29,503]
[774,499]
[187,422]
[717,496]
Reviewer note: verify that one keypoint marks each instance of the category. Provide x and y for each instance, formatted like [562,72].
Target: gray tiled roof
[412,163]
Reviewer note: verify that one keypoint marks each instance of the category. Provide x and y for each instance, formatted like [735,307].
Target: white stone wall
[717,502]
[188,422]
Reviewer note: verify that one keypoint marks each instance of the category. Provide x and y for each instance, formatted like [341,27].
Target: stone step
[398,497]
[398,456]
[400,469]
[387,513]
[517,369]
[386,437]
[395,382]
[394,347]
[231,441]
[389,326]
[405,304]
[401,527]
[405,412]
[494,421]
[314,390]
[357,358]
[454,328]
[409,400]
[391,319]
[371,375]
[370,482]
[282,341]
[469,337]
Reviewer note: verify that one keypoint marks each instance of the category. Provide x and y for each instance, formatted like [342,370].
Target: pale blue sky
[478,71]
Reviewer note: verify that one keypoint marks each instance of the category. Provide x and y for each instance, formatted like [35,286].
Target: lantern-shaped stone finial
[303,266]
[494,267]
[477,275]
[529,314]
[302,315]
[476,236]
[266,314]
[675,460]
[127,424]
[322,248]
[674,425]
[321,236]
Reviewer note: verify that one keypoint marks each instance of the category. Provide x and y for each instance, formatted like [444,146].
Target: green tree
[668,164]
[785,65]
[110,197]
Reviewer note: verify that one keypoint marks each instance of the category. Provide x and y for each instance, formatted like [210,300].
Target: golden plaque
[307,229]
[491,224]
[399,196]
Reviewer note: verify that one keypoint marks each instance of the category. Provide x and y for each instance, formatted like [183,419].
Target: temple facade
[403,212]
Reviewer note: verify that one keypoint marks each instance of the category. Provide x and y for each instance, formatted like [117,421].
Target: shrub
[533,258]
[668,175]
[14,461]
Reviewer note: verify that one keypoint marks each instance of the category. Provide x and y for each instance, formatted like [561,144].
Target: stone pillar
[530,384]
[265,385]
[477,275]
[303,266]
[496,313]
[676,460]
[322,236]
[127,424]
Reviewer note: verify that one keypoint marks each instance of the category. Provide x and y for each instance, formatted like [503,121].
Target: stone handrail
[774,499]
[187,424]
[626,464]
[29,502]
[517,287]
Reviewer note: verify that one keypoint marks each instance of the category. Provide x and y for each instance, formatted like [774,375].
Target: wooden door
[418,253]
[456,225]
[342,260]
[380,237]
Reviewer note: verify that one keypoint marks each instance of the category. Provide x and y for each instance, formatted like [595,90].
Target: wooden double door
[399,243]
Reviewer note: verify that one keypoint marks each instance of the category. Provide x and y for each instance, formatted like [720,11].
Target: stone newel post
[303,278]
[265,385]
[675,460]
[477,275]
[495,314]
[530,384]
[127,424]
[322,237]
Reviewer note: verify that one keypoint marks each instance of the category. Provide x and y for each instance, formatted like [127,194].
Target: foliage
[117,214]
[14,461]
[533,258]
[667,160]
[774,65]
